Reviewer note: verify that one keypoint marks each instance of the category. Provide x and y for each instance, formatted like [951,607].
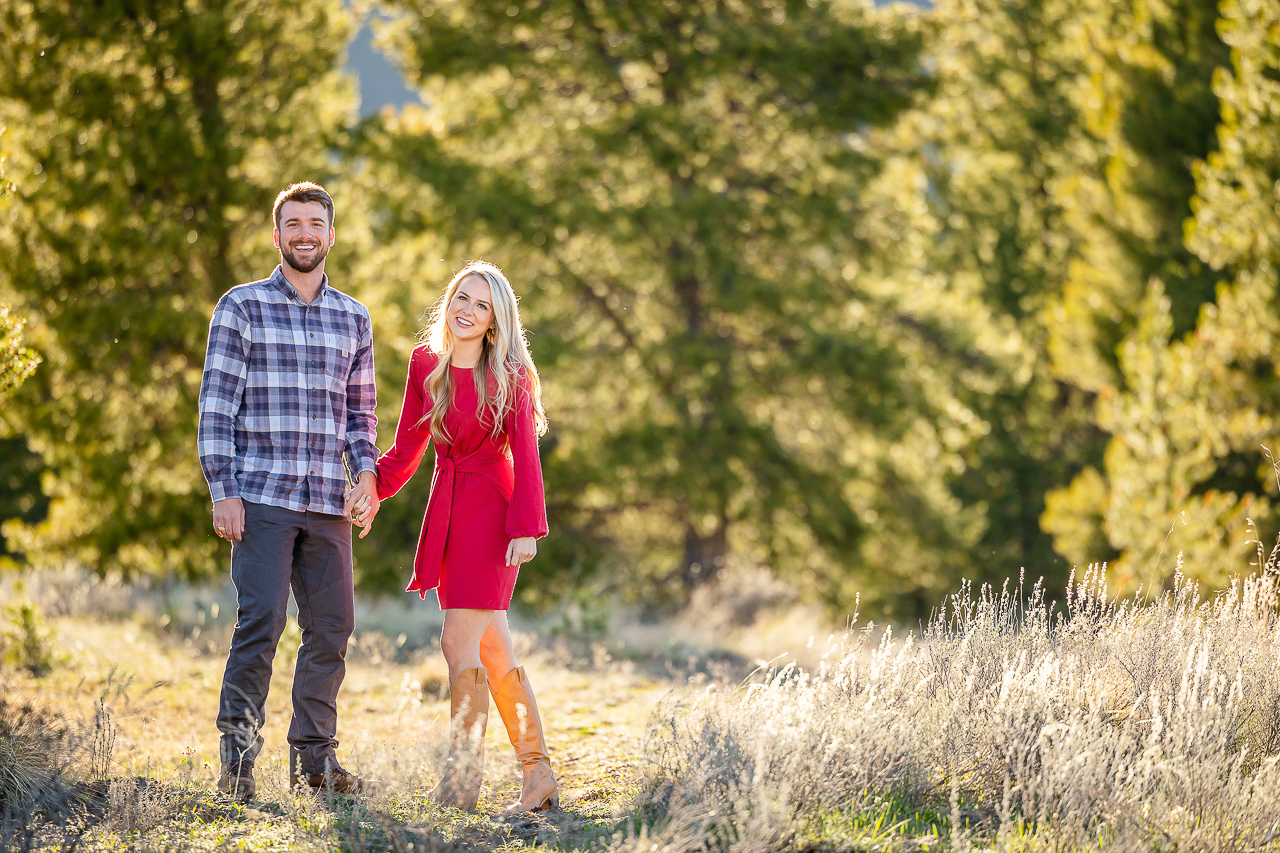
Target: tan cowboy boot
[468,714]
[519,710]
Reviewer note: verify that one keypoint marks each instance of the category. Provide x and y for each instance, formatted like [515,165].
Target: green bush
[28,643]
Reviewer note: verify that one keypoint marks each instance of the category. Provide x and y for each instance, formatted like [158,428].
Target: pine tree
[1187,470]
[677,191]
[1149,108]
[1056,157]
[147,141]
[992,149]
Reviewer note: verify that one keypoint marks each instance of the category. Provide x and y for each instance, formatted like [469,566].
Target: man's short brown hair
[303,191]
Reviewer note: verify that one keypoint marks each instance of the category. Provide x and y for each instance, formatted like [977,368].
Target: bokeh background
[878,298]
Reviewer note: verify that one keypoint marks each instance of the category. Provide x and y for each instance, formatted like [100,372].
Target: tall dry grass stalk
[1007,724]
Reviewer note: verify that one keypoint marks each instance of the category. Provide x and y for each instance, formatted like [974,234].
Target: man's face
[304,234]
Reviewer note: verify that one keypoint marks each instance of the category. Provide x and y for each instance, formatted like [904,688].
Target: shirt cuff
[224,489]
[364,455]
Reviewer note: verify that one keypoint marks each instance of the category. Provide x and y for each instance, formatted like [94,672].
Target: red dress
[484,493]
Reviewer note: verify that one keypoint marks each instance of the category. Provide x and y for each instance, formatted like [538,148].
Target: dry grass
[153,664]
[1109,725]
[1009,724]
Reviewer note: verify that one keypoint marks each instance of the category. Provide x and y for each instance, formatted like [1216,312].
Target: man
[286,399]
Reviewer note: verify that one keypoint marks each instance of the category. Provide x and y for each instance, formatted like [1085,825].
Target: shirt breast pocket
[340,355]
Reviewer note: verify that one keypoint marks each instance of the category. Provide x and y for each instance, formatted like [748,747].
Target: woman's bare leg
[496,651]
[460,639]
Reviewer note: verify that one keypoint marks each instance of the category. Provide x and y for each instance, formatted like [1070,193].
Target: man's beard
[304,265]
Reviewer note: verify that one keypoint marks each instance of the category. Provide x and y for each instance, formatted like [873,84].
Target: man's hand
[362,502]
[228,519]
[521,550]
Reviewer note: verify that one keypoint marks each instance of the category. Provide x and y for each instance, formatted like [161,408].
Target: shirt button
[313,417]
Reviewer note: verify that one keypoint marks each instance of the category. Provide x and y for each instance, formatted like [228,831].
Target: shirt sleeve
[527,512]
[226,368]
[399,463]
[362,404]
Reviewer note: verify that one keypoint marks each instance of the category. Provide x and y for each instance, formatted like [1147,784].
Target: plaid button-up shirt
[287,390]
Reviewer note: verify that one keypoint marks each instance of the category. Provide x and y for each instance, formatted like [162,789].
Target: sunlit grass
[1008,723]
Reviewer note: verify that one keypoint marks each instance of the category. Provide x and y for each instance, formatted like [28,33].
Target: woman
[473,390]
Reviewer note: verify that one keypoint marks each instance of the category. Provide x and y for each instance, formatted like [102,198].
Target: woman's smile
[471,309]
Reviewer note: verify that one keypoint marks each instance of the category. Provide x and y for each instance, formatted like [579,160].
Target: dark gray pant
[309,552]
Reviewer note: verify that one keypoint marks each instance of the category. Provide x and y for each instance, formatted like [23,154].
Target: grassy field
[136,673]
[1008,723]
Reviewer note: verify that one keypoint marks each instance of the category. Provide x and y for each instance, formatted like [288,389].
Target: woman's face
[470,312]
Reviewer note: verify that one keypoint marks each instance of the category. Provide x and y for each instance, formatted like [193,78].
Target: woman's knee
[490,645]
[457,649]
[497,655]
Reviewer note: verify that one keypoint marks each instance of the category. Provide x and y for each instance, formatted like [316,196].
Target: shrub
[28,643]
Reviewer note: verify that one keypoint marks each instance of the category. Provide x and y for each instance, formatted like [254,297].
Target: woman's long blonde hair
[504,358]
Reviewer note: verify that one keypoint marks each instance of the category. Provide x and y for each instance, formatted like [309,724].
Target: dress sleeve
[527,513]
[398,464]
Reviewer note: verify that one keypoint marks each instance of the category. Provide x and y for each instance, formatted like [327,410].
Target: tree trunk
[704,555]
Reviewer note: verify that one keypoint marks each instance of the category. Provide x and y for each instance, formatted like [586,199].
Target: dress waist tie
[488,461]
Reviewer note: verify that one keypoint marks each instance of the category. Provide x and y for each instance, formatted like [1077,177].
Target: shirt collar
[282,284]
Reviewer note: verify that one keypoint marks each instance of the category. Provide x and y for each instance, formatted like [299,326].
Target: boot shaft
[468,718]
[519,711]
[469,708]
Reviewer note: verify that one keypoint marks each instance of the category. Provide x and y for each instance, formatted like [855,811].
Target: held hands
[521,550]
[228,519]
[362,503]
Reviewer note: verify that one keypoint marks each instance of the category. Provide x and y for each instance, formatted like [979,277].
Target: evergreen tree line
[879,297]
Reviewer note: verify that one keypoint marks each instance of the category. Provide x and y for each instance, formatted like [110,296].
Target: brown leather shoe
[237,780]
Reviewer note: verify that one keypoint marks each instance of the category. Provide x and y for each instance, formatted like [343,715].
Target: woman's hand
[521,550]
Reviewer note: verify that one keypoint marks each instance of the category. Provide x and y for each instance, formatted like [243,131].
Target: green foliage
[1186,470]
[16,361]
[28,643]
[1057,157]
[674,191]
[147,141]
[875,296]
[989,149]
[1148,114]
